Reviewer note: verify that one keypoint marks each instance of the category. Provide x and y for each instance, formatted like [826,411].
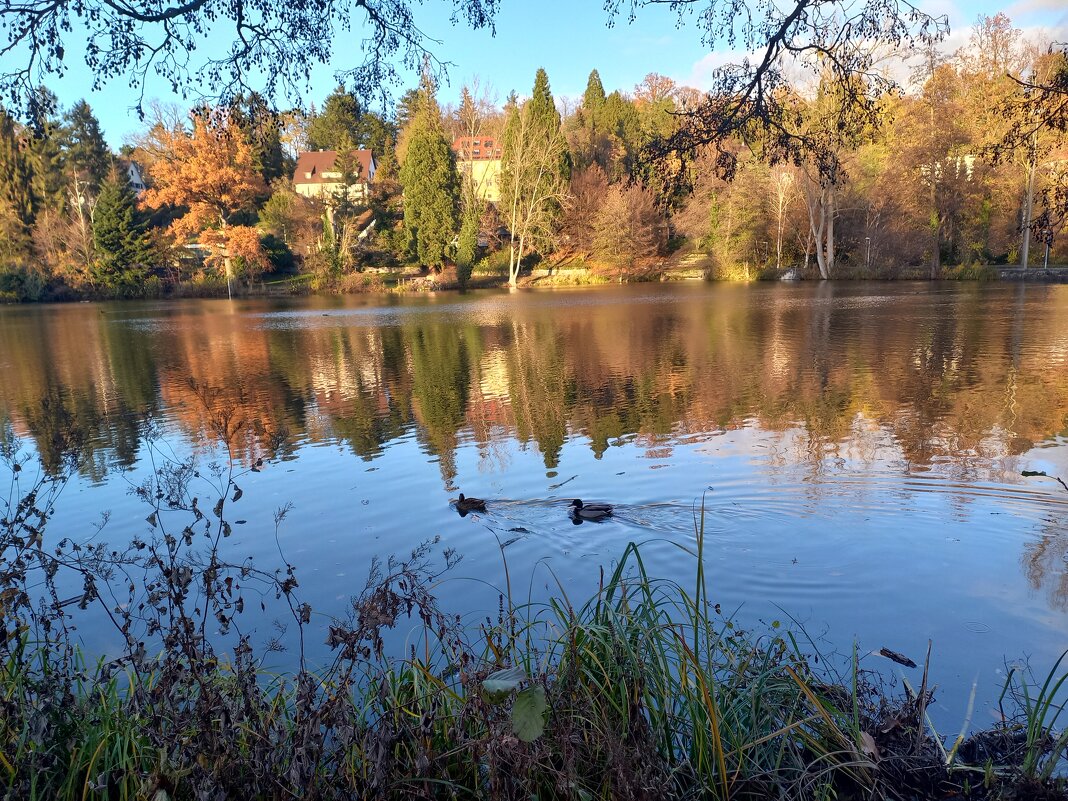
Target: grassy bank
[641,690]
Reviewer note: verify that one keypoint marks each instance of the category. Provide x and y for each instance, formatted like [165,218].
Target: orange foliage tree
[210,171]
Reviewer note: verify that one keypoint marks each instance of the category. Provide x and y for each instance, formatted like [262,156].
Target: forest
[952,174]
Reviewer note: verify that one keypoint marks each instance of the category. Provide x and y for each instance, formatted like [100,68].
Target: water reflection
[895,390]
[956,377]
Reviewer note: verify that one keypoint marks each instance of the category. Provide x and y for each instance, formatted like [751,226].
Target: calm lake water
[859,447]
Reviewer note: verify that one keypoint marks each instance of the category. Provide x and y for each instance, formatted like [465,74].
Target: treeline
[938,176]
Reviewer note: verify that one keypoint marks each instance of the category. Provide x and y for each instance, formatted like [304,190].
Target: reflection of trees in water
[441,355]
[969,376]
[1045,563]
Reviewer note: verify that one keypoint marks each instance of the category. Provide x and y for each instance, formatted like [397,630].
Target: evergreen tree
[46,158]
[337,126]
[546,119]
[467,244]
[593,99]
[262,128]
[430,181]
[16,175]
[85,153]
[122,246]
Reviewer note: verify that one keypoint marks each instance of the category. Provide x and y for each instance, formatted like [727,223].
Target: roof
[477,148]
[316,162]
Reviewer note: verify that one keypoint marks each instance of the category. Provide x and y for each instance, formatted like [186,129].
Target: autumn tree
[784,191]
[430,180]
[629,230]
[932,150]
[209,171]
[535,169]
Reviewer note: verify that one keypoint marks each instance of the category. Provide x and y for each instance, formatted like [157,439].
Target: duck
[465,505]
[590,511]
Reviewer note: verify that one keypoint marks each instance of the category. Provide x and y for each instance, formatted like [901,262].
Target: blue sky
[567,38]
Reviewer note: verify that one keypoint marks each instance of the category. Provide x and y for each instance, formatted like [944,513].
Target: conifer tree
[430,181]
[593,99]
[46,158]
[123,250]
[16,175]
[85,153]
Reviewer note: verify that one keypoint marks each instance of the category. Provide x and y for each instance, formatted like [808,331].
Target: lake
[858,447]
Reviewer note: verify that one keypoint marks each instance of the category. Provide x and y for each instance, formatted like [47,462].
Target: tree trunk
[829,207]
[1025,219]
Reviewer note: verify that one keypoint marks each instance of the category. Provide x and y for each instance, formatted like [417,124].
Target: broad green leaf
[528,713]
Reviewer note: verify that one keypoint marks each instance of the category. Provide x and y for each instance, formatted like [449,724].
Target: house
[133,175]
[479,157]
[322,174]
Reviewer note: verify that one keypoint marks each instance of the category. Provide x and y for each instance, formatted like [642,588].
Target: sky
[566,37]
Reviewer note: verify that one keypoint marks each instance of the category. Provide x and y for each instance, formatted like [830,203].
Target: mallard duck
[590,511]
[465,505]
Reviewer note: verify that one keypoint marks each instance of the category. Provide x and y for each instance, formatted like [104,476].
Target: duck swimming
[590,511]
[465,505]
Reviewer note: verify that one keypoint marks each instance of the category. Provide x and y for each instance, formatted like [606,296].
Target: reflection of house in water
[480,158]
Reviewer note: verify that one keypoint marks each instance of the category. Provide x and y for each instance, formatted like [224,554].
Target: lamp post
[867,252]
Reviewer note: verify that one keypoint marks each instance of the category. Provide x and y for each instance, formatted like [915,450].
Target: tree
[16,199]
[85,153]
[344,125]
[274,47]
[49,182]
[430,180]
[262,129]
[211,172]
[838,42]
[630,232]
[535,170]
[783,185]
[933,151]
[122,247]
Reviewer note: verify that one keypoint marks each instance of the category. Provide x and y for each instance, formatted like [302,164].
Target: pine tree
[593,99]
[119,234]
[430,181]
[337,126]
[546,119]
[16,175]
[85,153]
[49,183]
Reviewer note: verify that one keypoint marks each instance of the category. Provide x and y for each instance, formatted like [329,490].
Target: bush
[21,284]
[974,271]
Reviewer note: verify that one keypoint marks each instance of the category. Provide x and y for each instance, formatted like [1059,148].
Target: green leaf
[528,713]
[503,681]
[1030,473]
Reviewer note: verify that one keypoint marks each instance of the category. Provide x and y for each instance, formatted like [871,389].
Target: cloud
[703,70]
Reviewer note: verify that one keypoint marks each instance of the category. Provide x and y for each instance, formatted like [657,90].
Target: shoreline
[382,282]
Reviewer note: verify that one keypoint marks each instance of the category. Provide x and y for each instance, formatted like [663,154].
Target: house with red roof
[326,174]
